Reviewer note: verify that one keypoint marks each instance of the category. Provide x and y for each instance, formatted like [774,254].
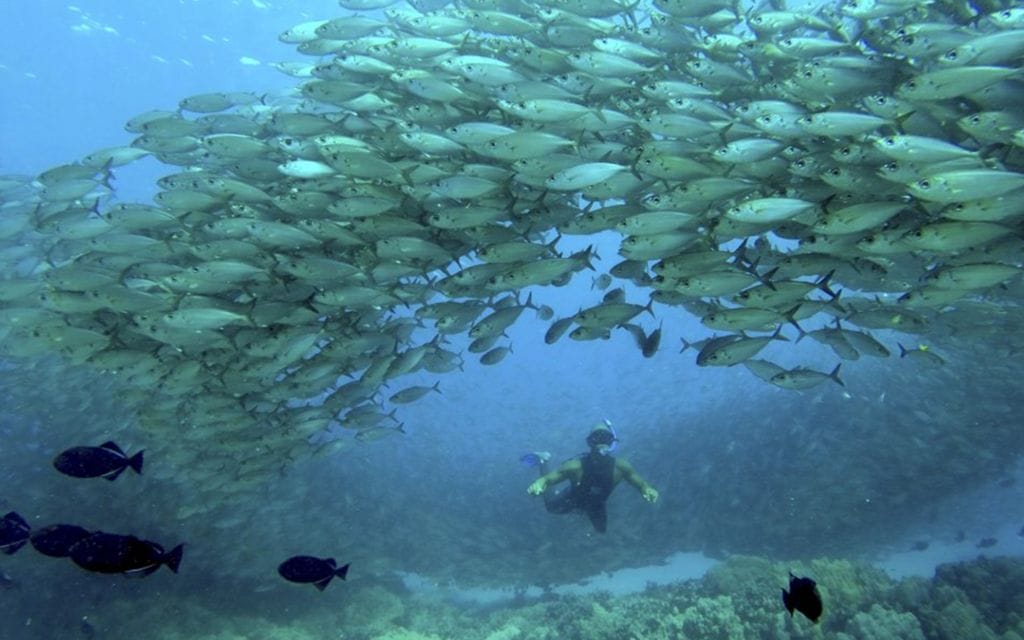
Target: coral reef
[880,623]
[737,600]
[373,607]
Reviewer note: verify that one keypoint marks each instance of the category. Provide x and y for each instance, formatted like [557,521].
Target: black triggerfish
[803,597]
[112,553]
[308,569]
[105,461]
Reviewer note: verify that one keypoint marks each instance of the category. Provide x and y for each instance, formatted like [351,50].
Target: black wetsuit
[590,494]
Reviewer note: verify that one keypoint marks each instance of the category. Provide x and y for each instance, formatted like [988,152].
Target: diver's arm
[649,493]
[567,471]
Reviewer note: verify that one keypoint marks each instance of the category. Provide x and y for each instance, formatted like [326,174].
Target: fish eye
[952,54]
[909,40]
[924,184]
[911,84]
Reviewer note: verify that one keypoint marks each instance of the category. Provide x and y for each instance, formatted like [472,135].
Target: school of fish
[776,173]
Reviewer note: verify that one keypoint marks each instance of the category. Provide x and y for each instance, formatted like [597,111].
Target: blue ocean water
[743,468]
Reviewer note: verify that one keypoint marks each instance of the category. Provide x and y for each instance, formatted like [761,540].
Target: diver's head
[601,438]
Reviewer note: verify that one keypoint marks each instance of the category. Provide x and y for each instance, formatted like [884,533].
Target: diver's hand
[650,494]
[538,487]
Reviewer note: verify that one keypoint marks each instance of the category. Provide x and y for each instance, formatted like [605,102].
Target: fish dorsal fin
[110,445]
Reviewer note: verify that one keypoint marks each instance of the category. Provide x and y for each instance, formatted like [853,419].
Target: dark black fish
[304,569]
[14,532]
[803,597]
[56,540]
[111,553]
[984,543]
[920,545]
[105,461]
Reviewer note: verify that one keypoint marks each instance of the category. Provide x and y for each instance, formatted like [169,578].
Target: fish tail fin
[835,375]
[529,304]
[437,386]
[686,345]
[173,557]
[342,571]
[584,258]
[135,462]
[903,350]
[823,284]
[552,246]
[766,278]
[791,319]
[834,302]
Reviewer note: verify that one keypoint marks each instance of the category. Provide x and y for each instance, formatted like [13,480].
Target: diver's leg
[598,515]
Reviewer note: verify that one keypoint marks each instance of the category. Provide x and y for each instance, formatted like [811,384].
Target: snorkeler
[593,476]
